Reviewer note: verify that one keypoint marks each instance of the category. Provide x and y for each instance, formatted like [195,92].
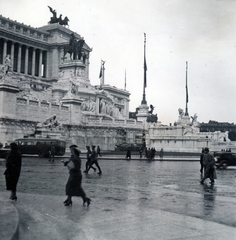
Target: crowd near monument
[46,91]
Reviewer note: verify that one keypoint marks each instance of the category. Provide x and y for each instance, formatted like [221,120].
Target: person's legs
[68,201]
[86,166]
[97,165]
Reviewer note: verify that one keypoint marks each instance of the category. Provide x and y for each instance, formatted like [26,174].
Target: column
[26,59]
[4,50]
[33,62]
[87,66]
[19,58]
[40,62]
[47,64]
[12,54]
[62,55]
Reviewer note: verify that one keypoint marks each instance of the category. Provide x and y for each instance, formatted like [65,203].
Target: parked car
[225,159]
[4,152]
[124,147]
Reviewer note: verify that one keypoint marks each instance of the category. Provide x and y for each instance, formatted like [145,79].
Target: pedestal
[142,113]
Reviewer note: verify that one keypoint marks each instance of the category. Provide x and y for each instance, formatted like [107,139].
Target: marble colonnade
[25,59]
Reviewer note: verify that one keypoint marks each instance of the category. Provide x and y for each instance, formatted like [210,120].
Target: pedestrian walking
[153,152]
[201,161]
[52,152]
[13,169]
[149,154]
[89,160]
[94,160]
[209,167]
[140,152]
[128,154]
[73,186]
[99,151]
[146,152]
[161,153]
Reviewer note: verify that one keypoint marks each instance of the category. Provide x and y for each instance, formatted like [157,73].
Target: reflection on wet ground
[169,186]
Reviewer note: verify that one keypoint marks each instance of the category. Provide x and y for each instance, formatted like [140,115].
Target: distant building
[213,126]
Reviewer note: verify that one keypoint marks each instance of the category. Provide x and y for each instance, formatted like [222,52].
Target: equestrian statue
[75,48]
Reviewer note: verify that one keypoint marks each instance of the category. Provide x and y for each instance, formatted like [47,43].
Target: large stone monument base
[142,113]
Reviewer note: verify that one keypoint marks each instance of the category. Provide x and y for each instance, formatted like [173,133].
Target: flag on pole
[145,64]
[100,75]
[186,82]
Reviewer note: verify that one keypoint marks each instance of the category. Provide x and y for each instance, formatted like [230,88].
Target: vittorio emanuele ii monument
[45,91]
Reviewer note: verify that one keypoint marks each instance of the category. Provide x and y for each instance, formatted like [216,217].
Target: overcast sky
[202,32]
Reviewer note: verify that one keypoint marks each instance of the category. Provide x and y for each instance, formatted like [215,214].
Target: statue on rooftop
[152,109]
[152,118]
[55,19]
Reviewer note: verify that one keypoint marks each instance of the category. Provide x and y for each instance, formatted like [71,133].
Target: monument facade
[44,72]
[185,136]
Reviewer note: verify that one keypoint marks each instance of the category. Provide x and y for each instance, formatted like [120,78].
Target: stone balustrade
[22,29]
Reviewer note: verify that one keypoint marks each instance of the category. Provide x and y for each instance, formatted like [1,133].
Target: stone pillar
[61,55]
[26,59]
[33,62]
[47,65]
[19,58]
[4,50]
[12,54]
[87,67]
[55,62]
[40,62]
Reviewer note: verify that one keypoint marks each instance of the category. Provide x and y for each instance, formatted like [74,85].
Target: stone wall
[11,129]
[31,110]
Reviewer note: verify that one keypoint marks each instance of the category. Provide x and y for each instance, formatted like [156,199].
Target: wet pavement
[135,199]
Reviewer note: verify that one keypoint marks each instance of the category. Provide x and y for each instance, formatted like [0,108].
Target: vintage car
[225,159]
[40,146]
[4,152]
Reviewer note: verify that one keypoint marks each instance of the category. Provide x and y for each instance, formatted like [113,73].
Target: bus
[40,146]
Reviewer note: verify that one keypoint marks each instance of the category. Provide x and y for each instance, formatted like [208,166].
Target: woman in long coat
[209,167]
[13,169]
[73,186]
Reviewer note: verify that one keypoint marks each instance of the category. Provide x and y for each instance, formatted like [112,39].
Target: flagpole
[125,79]
[102,73]
[186,109]
[145,69]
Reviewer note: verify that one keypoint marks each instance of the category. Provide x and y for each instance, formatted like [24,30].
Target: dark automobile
[225,159]
[4,152]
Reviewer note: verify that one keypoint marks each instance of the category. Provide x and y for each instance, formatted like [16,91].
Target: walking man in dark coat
[89,160]
[94,160]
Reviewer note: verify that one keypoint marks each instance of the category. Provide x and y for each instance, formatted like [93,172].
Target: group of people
[92,158]
[149,153]
[207,163]
[73,186]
